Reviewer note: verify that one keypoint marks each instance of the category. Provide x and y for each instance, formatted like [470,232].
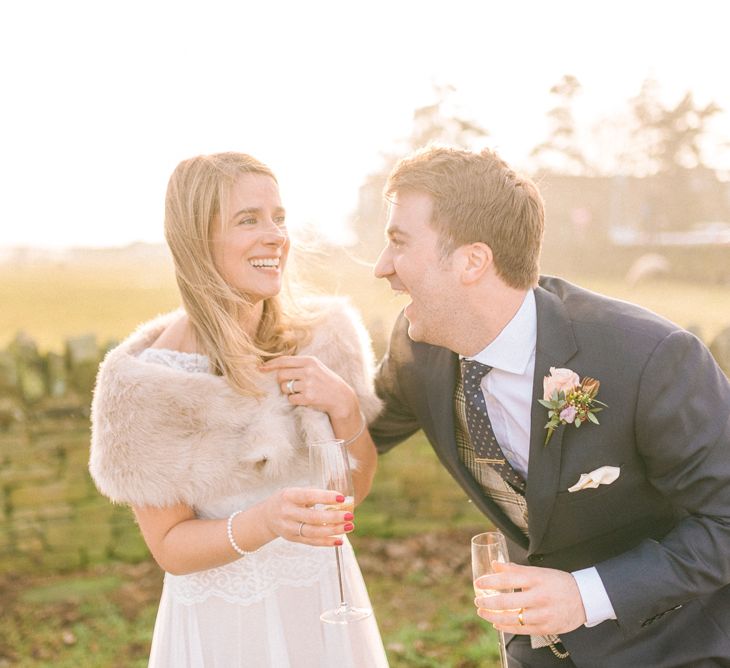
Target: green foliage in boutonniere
[569,400]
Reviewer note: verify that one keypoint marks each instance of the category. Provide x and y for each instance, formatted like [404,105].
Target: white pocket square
[601,476]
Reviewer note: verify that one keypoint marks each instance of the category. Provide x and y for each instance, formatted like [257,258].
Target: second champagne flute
[486,549]
[329,469]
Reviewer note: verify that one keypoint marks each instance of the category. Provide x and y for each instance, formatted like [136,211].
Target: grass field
[412,533]
[51,301]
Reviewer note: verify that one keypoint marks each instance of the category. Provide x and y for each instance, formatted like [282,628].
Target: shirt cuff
[596,603]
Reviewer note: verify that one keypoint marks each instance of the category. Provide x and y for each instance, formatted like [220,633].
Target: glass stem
[502,651]
[338,556]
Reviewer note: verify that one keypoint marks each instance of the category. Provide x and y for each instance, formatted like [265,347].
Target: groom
[627,566]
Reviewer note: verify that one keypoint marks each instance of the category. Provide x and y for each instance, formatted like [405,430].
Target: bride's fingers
[298,520]
[327,517]
[313,534]
[327,523]
[285,362]
[310,496]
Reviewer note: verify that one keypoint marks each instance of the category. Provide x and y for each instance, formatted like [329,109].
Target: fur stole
[162,435]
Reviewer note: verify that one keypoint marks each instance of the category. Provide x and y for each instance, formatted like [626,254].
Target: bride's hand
[291,515]
[308,382]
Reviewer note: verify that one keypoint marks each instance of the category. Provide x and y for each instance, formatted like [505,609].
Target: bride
[201,420]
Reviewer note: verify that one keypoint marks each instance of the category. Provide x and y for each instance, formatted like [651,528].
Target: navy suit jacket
[660,534]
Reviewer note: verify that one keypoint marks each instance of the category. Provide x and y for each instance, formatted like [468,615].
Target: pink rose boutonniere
[569,399]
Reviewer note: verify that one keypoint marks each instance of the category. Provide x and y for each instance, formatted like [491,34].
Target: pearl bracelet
[363,424]
[232,540]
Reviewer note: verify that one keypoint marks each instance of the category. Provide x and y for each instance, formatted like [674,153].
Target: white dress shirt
[508,394]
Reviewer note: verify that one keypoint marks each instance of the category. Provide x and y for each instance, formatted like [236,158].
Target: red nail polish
[338,542]
[340,498]
[349,526]
[348,517]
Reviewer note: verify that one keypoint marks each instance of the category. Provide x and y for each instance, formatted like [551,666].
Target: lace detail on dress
[256,576]
[192,362]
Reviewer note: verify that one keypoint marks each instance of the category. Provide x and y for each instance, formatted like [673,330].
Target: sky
[101,100]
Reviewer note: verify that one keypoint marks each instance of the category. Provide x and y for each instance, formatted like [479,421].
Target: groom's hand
[549,601]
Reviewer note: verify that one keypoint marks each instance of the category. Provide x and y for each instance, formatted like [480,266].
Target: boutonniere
[569,399]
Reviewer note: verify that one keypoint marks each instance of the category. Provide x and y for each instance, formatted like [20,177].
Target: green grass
[423,605]
[69,590]
[430,625]
[94,618]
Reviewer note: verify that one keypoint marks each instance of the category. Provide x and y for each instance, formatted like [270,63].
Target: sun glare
[100,107]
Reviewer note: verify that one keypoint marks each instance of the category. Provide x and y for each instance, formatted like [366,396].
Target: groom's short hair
[478,197]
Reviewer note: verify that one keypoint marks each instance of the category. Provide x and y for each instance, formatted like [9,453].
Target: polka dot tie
[482,436]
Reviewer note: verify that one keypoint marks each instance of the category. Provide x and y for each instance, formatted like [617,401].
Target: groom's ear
[477,259]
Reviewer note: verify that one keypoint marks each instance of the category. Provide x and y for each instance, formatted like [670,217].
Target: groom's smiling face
[413,263]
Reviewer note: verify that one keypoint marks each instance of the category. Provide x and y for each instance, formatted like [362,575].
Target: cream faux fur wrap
[162,435]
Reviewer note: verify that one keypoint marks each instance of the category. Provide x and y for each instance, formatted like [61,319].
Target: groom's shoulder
[595,310]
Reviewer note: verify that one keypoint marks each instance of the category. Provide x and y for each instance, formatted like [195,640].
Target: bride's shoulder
[177,335]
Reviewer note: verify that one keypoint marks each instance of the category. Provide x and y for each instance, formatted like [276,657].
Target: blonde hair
[197,194]
[478,197]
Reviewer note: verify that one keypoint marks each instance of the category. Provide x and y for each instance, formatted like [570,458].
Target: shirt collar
[514,347]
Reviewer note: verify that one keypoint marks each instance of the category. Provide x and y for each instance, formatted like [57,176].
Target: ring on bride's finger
[290,387]
[521,617]
[301,526]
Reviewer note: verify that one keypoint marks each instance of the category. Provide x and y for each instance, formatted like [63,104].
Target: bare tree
[561,152]
[667,139]
[439,122]
[667,147]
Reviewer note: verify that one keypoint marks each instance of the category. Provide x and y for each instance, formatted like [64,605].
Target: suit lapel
[442,366]
[555,347]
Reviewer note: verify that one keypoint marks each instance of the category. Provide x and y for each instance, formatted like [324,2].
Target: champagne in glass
[348,505]
[329,469]
[487,549]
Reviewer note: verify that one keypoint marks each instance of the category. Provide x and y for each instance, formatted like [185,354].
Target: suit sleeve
[397,421]
[683,435]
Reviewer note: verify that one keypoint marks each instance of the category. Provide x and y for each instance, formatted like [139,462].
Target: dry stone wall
[51,516]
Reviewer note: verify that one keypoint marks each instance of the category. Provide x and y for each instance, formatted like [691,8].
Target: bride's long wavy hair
[197,196]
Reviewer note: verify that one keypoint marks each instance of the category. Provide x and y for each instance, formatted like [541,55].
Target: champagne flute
[329,469]
[486,549]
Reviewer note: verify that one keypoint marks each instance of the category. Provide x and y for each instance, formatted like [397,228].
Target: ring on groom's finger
[290,386]
[301,526]
[521,617]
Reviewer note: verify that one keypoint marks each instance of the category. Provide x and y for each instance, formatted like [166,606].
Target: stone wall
[51,516]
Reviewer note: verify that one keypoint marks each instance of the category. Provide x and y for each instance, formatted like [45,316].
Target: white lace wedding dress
[261,611]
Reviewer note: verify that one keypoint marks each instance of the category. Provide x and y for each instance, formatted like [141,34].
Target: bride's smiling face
[250,243]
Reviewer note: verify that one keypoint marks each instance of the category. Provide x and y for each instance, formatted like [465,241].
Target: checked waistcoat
[480,428]
[509,499]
